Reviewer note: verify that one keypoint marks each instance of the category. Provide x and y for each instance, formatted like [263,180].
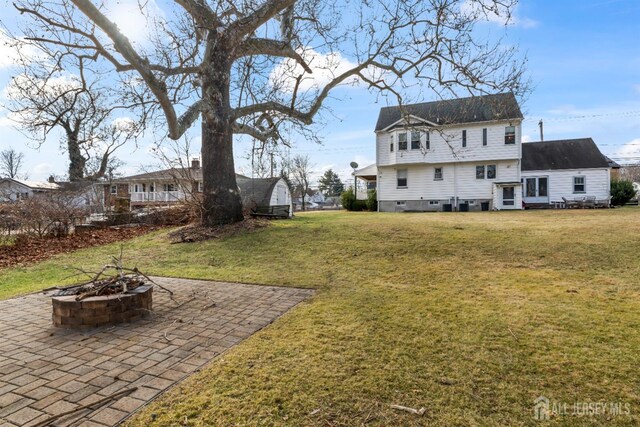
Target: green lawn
[472,316]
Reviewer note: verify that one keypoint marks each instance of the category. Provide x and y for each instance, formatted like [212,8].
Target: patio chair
[589,202]
[603,203]
[570,203]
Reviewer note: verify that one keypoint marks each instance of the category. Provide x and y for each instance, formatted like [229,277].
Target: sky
[583,60]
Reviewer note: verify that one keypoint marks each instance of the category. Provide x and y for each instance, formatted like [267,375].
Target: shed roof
[257,190]
[501,106]
[580,153]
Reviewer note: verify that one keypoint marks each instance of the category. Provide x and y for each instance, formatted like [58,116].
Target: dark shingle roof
[502,106]
[562,154]
[612,163]
[256,191]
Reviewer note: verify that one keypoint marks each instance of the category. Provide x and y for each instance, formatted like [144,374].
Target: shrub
[621,191]
[348,199]
[372,201]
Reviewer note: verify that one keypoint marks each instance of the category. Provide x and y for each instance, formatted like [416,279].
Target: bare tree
[41,100]
[11,163]
[301,170]
[248,66]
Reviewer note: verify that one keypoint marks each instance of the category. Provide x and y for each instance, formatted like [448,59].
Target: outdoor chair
[589,202]
[571,203]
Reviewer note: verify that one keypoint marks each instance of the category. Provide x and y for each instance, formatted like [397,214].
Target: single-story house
[570,169]
[16,189]
[169,186]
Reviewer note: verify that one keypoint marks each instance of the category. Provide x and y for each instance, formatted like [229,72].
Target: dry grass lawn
[472,316]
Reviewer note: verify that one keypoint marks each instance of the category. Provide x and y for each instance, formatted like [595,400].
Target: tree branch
[259,46]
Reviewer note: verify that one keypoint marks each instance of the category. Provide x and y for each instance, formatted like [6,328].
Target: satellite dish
[354,165]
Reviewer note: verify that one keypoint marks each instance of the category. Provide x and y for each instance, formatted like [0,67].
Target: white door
[282,195]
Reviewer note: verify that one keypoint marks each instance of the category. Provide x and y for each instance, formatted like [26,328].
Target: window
[415,140]
[437,174]
[464,138]
[402,141]
[139,188]
[152,188]
[402,178]
[169,187]
[200,186]
[491,171]
[114,189]
[427,143]
[401,203]
[579,184]
[391,147]
[484,137]
[480,172]
[434,202]
[510,135]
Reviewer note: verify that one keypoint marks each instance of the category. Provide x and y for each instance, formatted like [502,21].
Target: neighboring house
[458,154]
[170,186]
[79,194]
[570,168]
[312,199]
[16,189]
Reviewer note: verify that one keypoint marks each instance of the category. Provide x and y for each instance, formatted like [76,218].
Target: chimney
[52,179]
[195,163]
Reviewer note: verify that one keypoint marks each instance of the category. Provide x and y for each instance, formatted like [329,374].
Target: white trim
[408,125]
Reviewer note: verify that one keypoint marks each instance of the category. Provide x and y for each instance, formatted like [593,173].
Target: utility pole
[541,124]
[272,165]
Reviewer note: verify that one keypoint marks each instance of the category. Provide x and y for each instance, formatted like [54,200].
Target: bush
[372,201]
[621,191]
[348,199]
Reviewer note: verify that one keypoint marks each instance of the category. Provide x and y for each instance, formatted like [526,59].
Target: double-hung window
[402,141]
[486,171]
[491,171]
[415,140]
[437,174]
[579,184]
[402,178]
[114,189]
[510,135]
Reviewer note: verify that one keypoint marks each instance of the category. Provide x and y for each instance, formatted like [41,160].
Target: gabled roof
[580,153]
[257,190]
[34,185]
[502,106]
[168,175]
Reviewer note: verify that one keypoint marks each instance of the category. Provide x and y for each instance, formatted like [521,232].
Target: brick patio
[46,371]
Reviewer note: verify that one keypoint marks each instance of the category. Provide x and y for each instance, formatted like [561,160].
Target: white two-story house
[461,154]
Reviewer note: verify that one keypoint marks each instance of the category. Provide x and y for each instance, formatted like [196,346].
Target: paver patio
[45,371]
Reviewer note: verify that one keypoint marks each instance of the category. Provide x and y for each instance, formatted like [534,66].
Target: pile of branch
[122,281]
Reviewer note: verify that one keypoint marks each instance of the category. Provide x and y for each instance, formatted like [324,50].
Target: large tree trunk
[77,161]
[221,198]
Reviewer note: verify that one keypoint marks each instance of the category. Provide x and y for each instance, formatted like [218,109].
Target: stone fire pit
[102,310]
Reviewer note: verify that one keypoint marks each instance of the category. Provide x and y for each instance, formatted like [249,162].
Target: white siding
[459,180]
[446,145]
[561,183]
[281,196]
